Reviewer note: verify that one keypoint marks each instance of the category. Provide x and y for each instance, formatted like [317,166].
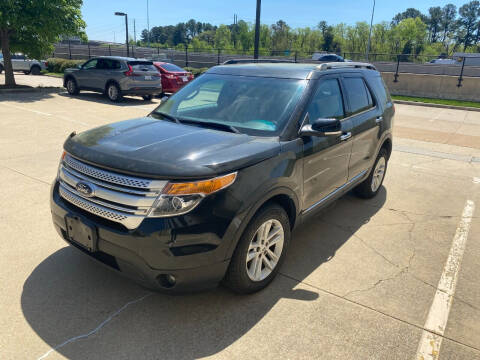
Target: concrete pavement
[358,282]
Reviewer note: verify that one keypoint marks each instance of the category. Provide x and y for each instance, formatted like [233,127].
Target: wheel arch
[67,77]
[283,196]
[387,145]
[111,81]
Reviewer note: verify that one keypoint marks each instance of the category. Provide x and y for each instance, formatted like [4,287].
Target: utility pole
[370,34]
[148,27]
[114,40]
[134,33]
[257,30]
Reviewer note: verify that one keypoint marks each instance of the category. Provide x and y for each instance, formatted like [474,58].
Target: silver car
[115,76]
[22,63]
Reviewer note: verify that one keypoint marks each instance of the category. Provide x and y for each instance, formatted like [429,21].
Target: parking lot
[358,282]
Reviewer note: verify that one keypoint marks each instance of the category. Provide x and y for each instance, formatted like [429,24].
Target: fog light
[166,280]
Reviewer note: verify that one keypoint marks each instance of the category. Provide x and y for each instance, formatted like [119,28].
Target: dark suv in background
[115,76]
[209,186]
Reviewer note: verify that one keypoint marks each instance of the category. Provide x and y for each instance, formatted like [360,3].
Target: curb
[27,90]
[441,106]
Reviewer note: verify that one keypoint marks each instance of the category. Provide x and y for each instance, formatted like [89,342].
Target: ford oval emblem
[85,189]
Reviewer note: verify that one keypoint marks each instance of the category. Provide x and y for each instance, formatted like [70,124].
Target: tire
[71,86]
[372,184]
[147,97]
[113,92]
[242,276]
[35,70]
[26,72]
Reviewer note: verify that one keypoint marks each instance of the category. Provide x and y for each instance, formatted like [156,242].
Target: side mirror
[79,66]
[322,127]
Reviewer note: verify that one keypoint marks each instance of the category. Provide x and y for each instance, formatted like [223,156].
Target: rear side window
[142,66]
[359,96]
[327,101]
[380,90]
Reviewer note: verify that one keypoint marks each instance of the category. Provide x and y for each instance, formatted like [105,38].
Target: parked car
[327,57]
[444,62]
[209,185]
[173,76]
[22,63]
[115,76]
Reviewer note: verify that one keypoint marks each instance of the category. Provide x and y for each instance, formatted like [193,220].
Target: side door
[325,158]
[366,114]
[86,73]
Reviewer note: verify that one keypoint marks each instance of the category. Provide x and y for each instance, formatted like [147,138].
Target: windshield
[253,105]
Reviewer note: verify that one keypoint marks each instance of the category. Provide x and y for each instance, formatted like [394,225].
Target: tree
[32,27]
[449,13]
[468,22]
[434,21]
[411,34]
[410,13]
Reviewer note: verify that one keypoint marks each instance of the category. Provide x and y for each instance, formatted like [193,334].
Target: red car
[173,76]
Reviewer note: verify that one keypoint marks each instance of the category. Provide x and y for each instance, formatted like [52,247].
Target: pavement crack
[402,271]
[94,331]
[28,176]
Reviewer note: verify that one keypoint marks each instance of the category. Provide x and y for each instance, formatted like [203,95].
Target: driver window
[327,101]
[92,64]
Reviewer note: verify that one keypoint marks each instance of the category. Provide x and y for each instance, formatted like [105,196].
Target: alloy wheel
[378,174]
[265,250]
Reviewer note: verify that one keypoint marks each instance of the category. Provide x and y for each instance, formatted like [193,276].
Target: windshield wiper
[166,116]
[213,125]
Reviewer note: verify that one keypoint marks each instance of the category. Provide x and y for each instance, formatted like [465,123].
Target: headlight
[60,163]
[180,198]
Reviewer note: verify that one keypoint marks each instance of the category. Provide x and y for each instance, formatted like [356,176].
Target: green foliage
[57,65]
[196,72]
[34,26]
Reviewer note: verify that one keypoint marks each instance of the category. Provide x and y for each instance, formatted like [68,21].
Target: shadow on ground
[101,98]
[68,295]
[30,96]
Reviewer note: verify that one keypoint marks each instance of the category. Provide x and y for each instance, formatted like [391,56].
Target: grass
[437,101]
[60,75]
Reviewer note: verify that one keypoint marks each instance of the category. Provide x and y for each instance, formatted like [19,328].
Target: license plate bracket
[184,78]
[81,233]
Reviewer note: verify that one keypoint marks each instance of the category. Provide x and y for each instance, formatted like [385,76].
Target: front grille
[120,198]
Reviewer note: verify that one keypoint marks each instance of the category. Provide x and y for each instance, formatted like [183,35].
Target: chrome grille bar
[116,197]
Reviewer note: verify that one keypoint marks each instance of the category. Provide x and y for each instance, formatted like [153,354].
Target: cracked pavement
[358,281]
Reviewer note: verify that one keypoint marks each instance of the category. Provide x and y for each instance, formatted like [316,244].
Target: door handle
[346,136]
[379,119]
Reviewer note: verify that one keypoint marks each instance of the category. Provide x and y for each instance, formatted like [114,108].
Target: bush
[59,65]
[196,72]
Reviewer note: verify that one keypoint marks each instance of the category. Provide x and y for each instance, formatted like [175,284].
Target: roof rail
[349,64]
[253,61]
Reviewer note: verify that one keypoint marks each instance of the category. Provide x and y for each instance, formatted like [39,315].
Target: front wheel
[371,185]
[147,97]
[26,72]
[260,251]
[72,87]
[114,93]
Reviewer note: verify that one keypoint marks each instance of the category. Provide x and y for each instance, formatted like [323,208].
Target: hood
[162,149]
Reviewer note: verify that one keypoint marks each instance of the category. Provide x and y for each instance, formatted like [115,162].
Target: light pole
[126,29]
[257,30]
[148,26]
[370,34]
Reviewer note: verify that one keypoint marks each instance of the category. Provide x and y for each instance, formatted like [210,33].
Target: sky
[102,24]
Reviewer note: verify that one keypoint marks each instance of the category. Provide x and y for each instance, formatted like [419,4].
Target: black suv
[208,187]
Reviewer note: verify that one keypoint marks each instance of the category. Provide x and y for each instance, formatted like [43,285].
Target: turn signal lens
[200,187]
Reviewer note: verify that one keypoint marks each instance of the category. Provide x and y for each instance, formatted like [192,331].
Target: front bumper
[159,247]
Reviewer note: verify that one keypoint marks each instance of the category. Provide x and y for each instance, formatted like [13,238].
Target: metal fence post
[396,72]
[295,56]
[460,79]
[109,50]
[218,56]
[186,55]
[158,50]
[88,45]
[69,50]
